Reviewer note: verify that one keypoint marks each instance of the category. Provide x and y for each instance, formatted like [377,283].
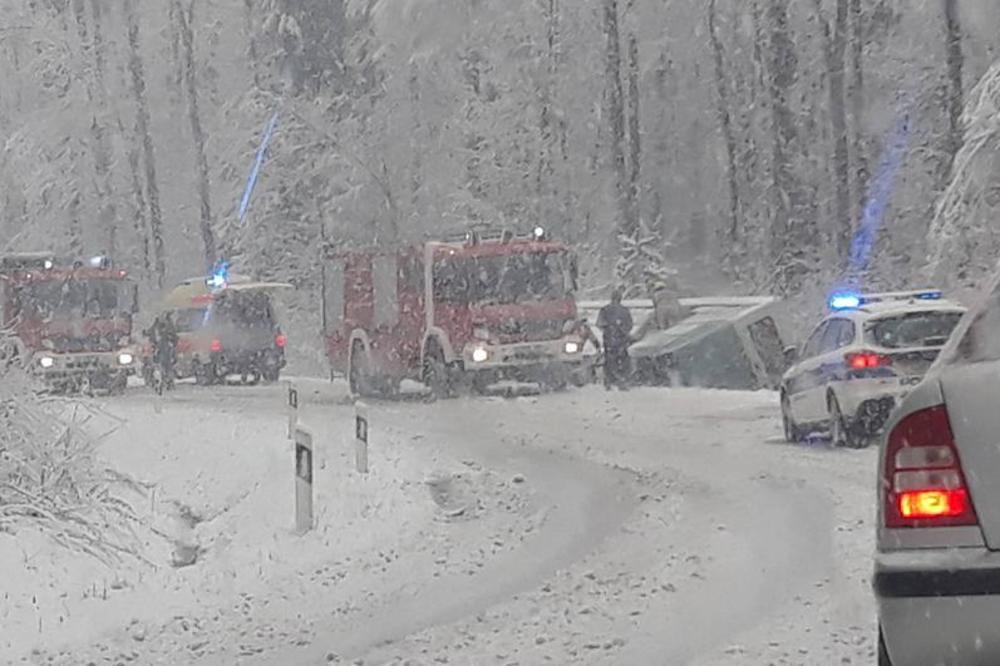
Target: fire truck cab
[72,320]
[453,313]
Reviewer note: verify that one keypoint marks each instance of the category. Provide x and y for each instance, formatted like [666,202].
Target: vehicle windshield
[503,279]
[245,310]
[917,329]
[89,299]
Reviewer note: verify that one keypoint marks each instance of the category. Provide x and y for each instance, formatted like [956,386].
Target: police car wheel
[841,431]
[792,433]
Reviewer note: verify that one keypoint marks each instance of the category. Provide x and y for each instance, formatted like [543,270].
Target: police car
[859,362]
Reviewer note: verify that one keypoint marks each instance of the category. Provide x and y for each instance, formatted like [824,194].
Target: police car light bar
[850,301]
[918,295]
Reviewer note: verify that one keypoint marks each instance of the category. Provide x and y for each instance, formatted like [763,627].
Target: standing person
[667,307]
[163,336]
[615,322]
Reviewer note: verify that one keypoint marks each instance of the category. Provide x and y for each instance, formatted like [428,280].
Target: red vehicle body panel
[32,330]
[396,346]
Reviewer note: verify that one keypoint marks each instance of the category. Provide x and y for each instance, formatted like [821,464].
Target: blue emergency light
[220,276]
[852,301]
[844,301]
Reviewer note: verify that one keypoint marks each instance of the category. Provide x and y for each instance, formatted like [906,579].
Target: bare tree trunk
[545,187]
[251,31]
[856,95]
[138,77]
[728,135]
[197,132]
[955,61]
[616,113]
[139,226]
[634,136]
[835,50]
[101,145]
[416,163]
[75,229]
[785,234]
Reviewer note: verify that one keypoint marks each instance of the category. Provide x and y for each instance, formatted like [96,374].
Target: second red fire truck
[453,313]
[70,320]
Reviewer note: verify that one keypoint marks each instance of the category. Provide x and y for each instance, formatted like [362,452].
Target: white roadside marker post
[361,437]
[293,409]
[303,480]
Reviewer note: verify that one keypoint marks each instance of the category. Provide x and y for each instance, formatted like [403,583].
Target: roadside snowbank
[221,483]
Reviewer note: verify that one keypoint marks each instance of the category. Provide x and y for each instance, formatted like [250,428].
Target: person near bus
[615,322]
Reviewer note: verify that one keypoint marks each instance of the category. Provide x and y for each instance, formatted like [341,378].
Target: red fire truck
[453,313]
[71,320]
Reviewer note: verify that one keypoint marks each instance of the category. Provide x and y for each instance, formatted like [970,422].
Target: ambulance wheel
[792,433]
[147,374]
[204,374]
[842,431]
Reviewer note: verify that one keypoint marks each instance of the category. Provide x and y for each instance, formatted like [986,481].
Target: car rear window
[914,329]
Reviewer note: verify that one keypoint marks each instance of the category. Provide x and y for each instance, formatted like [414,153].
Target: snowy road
[649,527]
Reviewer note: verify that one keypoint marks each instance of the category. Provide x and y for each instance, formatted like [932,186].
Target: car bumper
[528,354]
[940,606]
[85,363]
[869,402]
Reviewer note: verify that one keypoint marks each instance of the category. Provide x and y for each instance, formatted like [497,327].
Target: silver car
[937,567]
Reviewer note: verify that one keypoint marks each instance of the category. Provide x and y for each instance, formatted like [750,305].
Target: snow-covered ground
[648,527]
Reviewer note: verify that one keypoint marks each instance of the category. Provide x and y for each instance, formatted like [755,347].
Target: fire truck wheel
[119,384]
[436,375]
[359,377]
[554,378]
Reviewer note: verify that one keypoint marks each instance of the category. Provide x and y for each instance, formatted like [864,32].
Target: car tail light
[216,345]
[864,360]
[280,340]
[923,484]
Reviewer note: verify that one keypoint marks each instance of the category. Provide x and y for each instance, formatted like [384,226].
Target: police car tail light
[864,360]
[216,345]
[923,483]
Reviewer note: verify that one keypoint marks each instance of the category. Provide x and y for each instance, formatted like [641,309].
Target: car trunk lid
[972,396]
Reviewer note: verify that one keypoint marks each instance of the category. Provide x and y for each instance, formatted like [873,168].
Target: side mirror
[135,299]
[791,356]
[574,273]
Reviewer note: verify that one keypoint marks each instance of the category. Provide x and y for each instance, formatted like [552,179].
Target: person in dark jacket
[163,336]
[615,322]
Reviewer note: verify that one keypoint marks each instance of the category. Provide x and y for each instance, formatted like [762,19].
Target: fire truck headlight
[480,355]
[572,347]
[46,362]
[125,358]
